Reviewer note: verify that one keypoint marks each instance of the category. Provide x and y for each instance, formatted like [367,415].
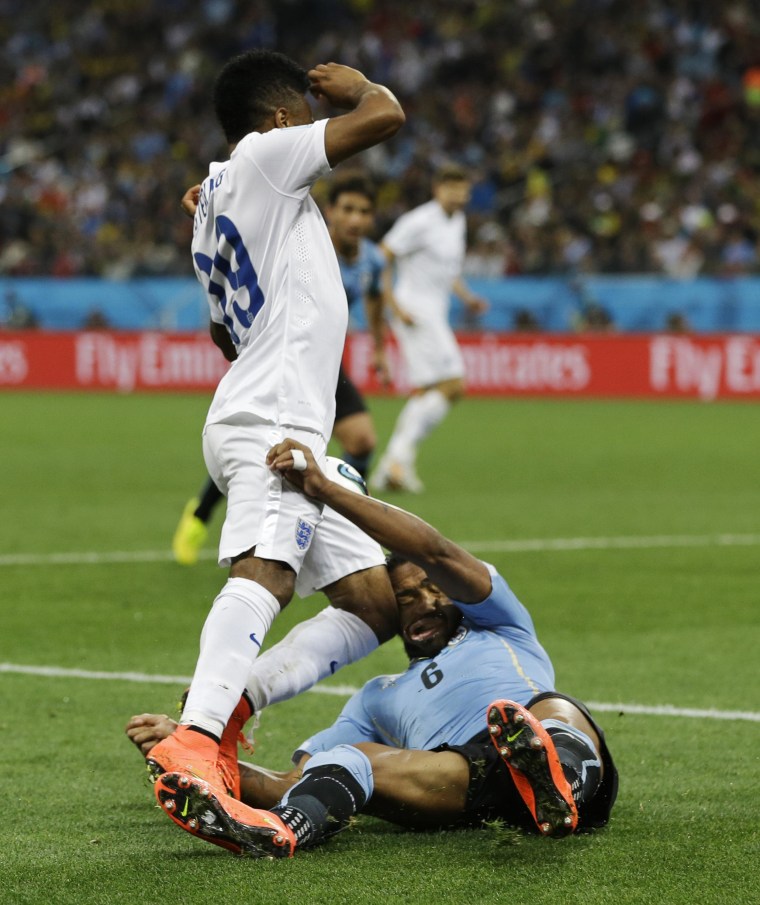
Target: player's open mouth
[424,628]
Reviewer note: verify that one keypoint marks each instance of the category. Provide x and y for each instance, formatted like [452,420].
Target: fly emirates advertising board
[703,367]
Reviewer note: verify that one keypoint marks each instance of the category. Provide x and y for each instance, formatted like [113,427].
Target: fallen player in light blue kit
[473,730]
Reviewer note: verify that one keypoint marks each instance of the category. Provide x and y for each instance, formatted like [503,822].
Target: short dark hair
[352,182]
[394,561]
[451,172]
[251,86]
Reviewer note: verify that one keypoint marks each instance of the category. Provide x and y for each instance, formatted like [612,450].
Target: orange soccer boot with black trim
[199,809]
[527,750]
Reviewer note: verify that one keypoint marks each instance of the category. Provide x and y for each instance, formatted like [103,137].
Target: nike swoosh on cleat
[333,667]
[255,640]
[511,738]
[184,810]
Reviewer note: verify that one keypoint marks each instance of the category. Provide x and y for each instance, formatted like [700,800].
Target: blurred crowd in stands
[603,135]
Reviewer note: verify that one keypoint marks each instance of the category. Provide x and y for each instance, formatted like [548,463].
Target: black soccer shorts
[492,795]
[348,399]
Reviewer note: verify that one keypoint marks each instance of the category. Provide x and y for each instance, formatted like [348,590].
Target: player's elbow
[397,117]
[386,118]
[392,120]
[373,122]
[377,129]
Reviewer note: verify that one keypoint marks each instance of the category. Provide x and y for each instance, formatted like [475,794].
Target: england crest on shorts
[304,534]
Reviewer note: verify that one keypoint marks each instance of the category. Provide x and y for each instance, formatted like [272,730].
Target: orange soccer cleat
[195,754]
[231,738]
[530,756]
[195,806]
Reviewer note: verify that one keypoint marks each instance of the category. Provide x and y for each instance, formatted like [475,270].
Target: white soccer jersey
[263,254]
[429,247]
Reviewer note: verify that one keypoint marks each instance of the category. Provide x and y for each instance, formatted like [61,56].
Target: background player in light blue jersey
[473,730]
[366,278]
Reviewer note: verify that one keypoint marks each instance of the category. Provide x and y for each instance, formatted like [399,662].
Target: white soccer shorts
[339,549]
[267,512]
[430,350]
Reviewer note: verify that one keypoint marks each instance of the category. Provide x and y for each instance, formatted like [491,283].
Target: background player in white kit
[428,246]
[262,252]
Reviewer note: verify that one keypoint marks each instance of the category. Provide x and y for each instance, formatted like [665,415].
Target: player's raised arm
[456,572]
[374,113]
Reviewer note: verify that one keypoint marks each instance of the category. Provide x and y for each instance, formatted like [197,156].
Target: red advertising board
[102,360]
[667,366]
[661,365]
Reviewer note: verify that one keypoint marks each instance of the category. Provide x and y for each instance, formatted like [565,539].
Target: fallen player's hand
[148,729]
[296,462]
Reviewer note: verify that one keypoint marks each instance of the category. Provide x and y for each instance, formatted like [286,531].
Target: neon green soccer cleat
[189,537]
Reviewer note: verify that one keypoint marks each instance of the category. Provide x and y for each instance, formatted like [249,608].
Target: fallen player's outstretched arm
[455,571]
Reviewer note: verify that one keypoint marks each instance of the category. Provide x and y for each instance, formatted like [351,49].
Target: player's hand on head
[189,200]
[147,729]
[341,85]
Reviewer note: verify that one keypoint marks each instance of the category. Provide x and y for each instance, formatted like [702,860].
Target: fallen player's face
[427,617]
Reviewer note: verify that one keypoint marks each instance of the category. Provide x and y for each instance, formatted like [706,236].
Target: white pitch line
[669,710]
[614,543]
[91,558]
[537,545]
[347,690]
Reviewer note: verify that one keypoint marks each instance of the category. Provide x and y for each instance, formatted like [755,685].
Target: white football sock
[312,650]
[418,418]
[230,642]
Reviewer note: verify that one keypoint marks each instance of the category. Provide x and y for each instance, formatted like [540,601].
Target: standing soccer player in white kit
[263,254]
[428,246]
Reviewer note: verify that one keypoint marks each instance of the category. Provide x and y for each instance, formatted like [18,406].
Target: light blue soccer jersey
[494,654]
[362,276]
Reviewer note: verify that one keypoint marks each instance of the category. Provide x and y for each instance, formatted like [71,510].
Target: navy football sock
[321,803]
[210,496]
[580,762]
[360,463]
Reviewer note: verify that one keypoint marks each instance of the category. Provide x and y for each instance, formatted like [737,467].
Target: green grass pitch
[668,620]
